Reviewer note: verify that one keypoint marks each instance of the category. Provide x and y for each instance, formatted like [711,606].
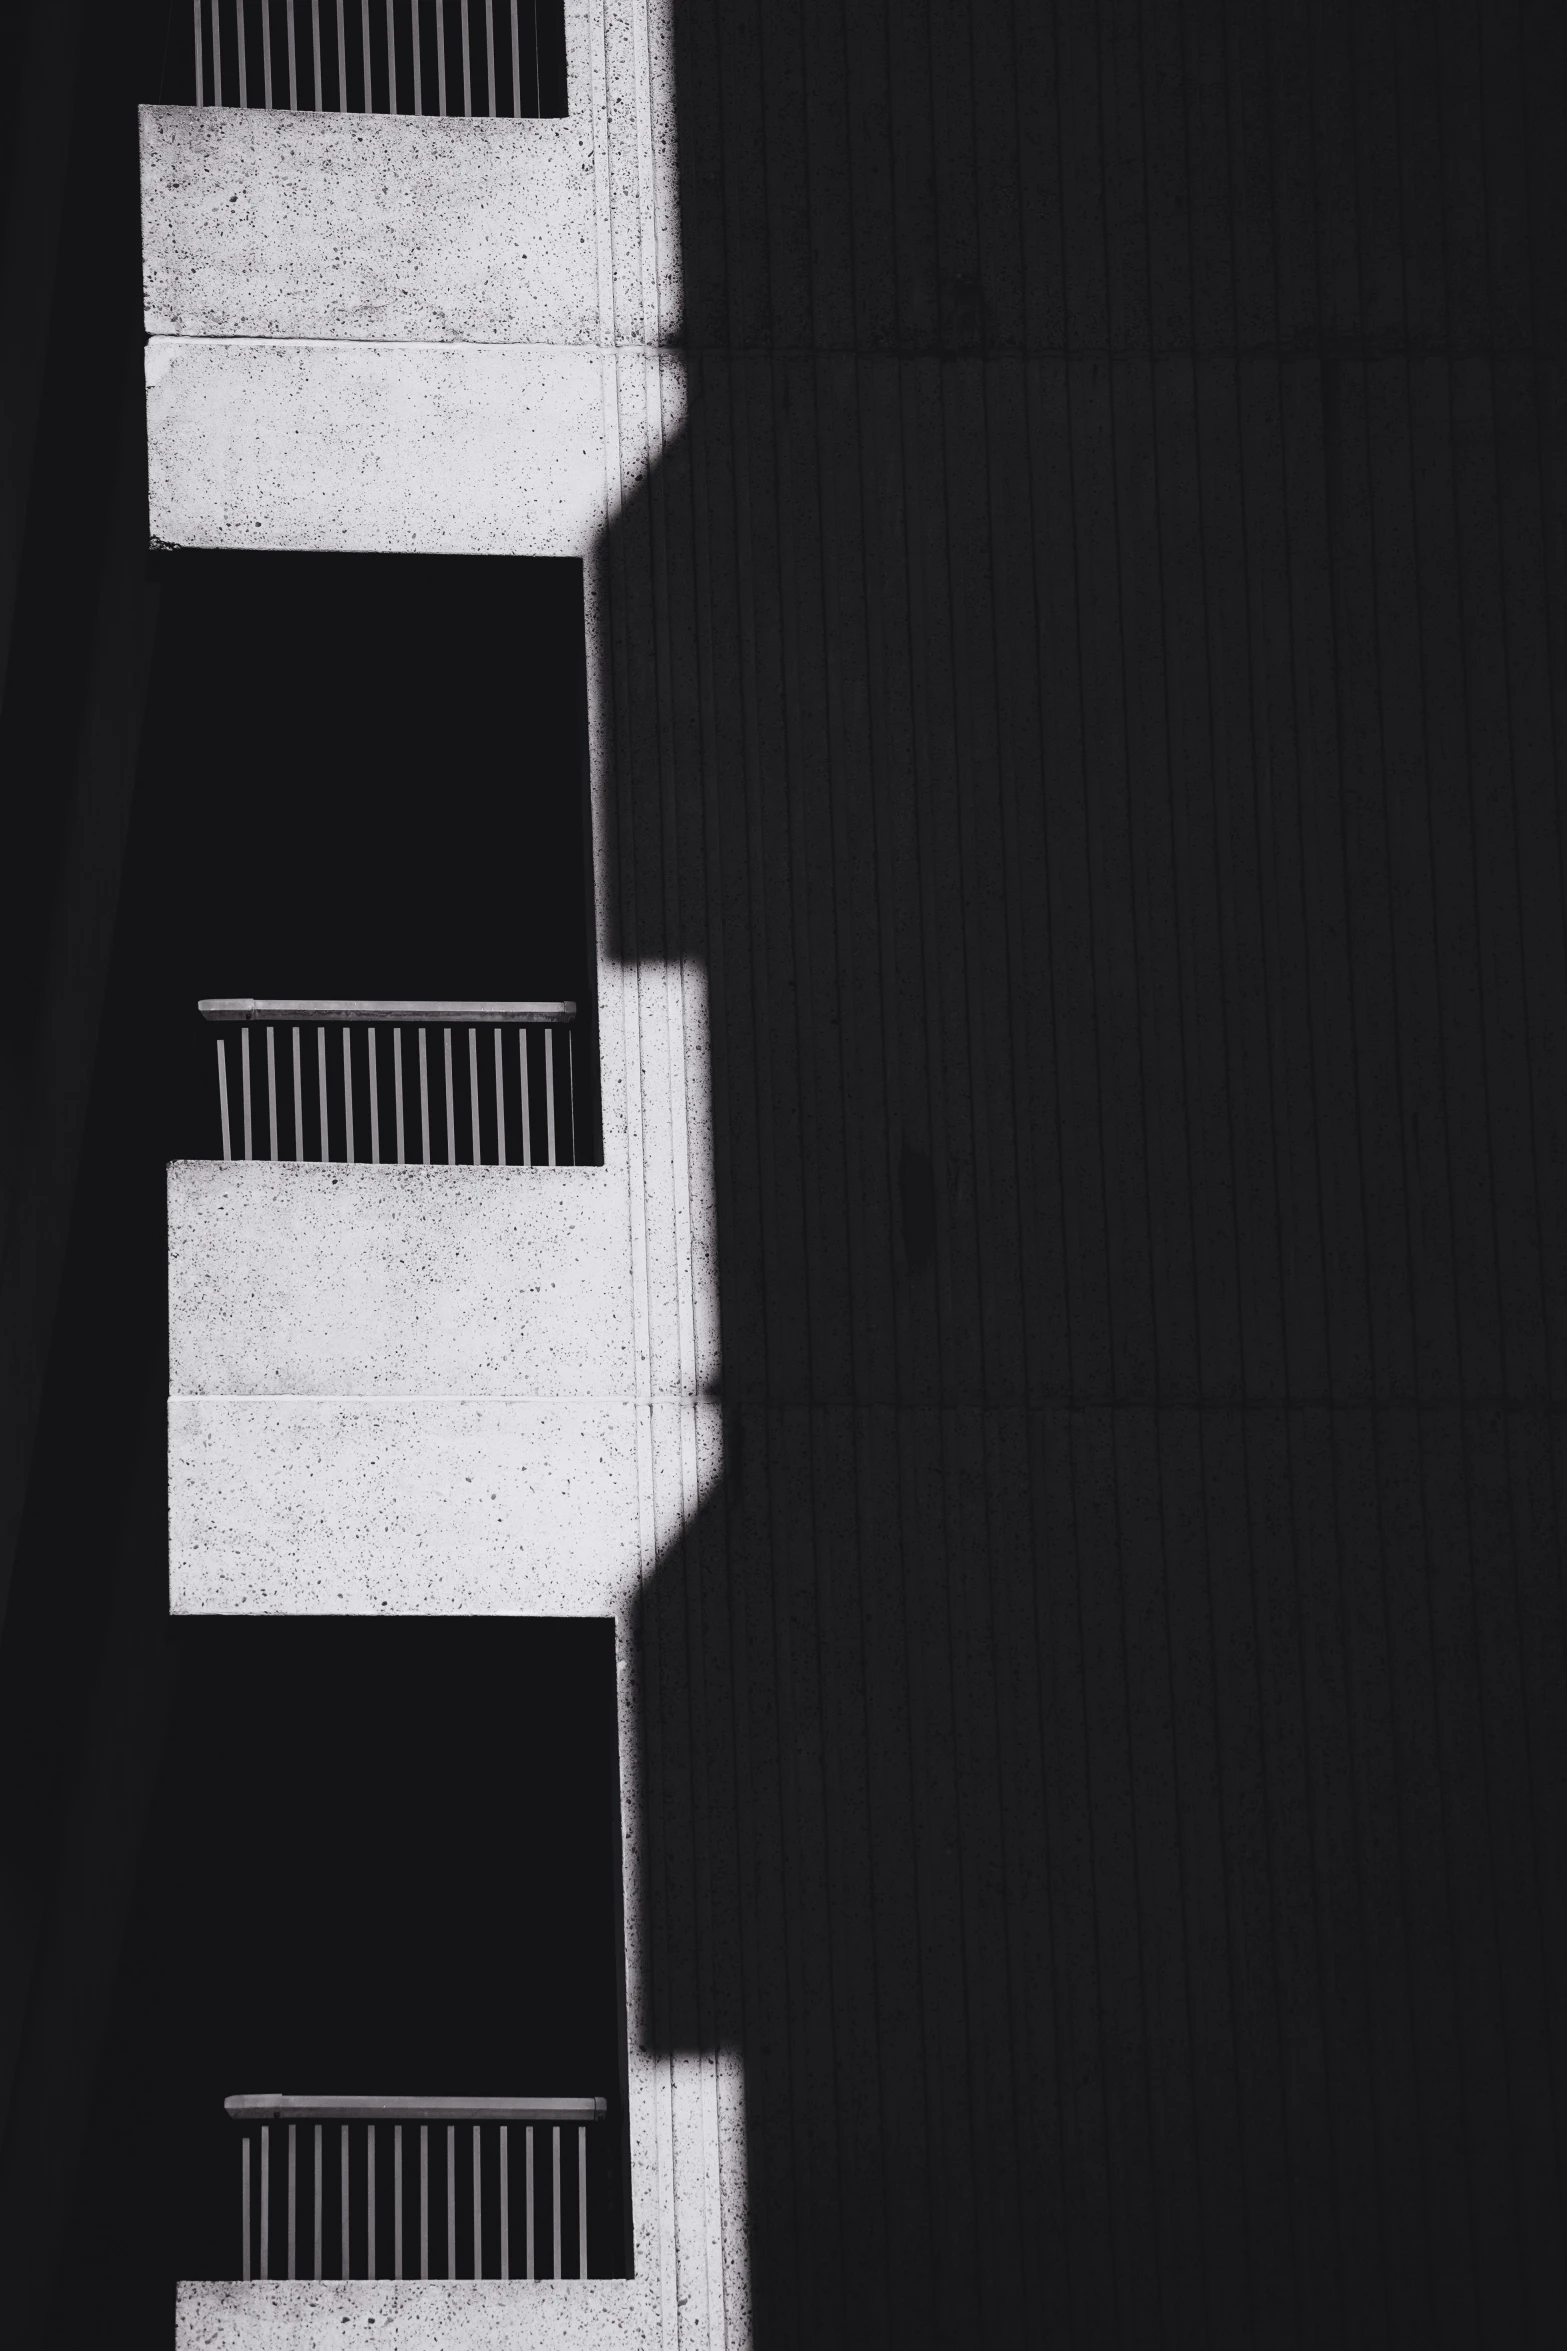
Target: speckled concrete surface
[424,1505]
[317,1280]
[380,228]
[431,448]
[443,1390]
[608,2314]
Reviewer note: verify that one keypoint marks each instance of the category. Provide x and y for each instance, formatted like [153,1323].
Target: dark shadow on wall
[1105,1741]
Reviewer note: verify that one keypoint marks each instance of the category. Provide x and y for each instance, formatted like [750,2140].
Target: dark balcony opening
[383,1860]
[365,777]
[468,57]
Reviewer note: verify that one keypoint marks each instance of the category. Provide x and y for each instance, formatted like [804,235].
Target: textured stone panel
[595,2314]
[478,449]
[406,1506]
[315,1280]
[367,227]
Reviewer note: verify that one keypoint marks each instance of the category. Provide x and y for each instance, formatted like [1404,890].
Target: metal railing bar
[582,2201]
[370,2192]
[266,2187]
[207,39]
[424,2199]
[318,2200]
[528,2193]
[397,1088]
[343,2200]
[559,1111]
[363,1011]
[555,2198]
[478,2208]
[293,2132]
[397,2200]
[451,2200]
[244,2191]
[505,2210]
[300,2106]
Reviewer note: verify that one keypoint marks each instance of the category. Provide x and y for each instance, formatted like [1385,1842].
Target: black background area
[360,776]
[383,1858]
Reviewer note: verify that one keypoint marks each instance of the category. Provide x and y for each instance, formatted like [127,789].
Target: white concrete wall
[440,449]
[407,334]
[413,1390]
[380,228]
[288,2315]
[372,332]
[427,1392]
[320,1280]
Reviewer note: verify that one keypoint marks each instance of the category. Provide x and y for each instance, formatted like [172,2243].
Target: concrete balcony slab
[595,2314]
[377,228]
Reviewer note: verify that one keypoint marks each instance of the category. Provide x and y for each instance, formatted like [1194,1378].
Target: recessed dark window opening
[383,1860]
[365,777]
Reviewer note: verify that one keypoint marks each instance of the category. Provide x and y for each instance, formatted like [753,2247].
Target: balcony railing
[380,56]
[488,2123]
[523,1114]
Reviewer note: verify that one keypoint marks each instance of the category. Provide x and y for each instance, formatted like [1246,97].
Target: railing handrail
[372,1012]
[269,2106]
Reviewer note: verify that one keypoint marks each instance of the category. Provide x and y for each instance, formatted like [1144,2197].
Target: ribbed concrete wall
[1089,681]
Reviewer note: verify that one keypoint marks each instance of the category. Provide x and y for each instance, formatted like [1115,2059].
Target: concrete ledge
[458,448]
[375,227]
[593,2314]
[443,1506]
[327,1280]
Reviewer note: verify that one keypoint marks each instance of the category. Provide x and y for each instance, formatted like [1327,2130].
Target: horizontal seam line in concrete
[418,343]
[1304,351]
[1552,1406]
[438,1396]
